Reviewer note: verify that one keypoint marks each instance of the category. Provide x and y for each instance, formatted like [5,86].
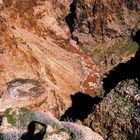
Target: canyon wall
[103,20]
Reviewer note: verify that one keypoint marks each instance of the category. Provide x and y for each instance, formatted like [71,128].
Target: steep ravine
[36,46]
[53,55]
[103,29]
[117,116]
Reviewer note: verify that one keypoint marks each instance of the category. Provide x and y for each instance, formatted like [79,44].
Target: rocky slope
[13,127]
[118,115]
[103,29]
[34,31]
[39,66]
[45,50]
[99,20]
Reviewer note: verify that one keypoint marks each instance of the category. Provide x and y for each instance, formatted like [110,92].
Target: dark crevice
[124,71]
[1,119]
[94,8]
[82,106]
[70,18]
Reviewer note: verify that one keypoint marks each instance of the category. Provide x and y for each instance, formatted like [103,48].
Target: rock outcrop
[118,115]
[37,66]
[56,130]
[46,48]
[100,20]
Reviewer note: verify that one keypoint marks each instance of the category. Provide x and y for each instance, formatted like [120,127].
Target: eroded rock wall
[33,35]
[100,20]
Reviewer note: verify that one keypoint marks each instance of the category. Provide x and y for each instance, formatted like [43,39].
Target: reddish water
[89,85]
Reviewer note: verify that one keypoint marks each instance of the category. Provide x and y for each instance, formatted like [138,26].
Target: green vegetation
[10,116]
[25,116]
[19,118]
[112,52]
[103,129]
[85,49]
[129,47]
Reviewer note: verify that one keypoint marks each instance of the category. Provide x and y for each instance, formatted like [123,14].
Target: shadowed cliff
[82,106]
[123,71]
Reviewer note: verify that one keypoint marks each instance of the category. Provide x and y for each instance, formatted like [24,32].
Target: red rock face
[35,45]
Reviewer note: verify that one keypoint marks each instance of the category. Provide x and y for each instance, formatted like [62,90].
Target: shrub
[20,117]
[10,116]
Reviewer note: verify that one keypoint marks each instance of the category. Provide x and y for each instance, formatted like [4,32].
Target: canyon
[53,52]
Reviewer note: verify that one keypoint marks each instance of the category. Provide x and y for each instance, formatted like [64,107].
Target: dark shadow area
[124,71]
[82,106]
[31,135]
[133,137]
[1,117]
[71,16]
